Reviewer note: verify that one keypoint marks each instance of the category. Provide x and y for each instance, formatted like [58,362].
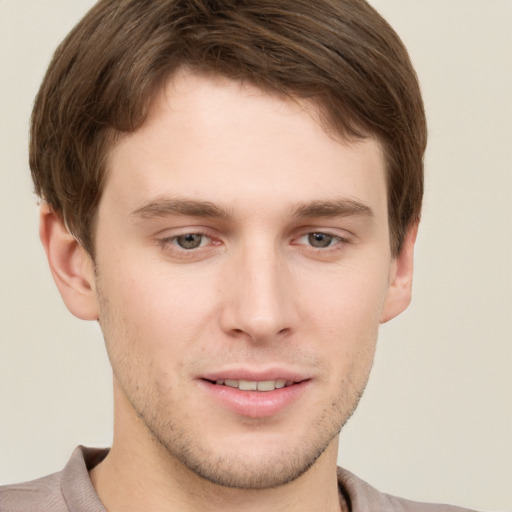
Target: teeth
[266,385]
[247,385]
[251,385]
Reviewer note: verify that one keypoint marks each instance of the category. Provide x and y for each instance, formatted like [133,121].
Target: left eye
[321,240]
[191,240]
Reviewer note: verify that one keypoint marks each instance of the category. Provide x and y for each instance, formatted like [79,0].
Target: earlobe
[400,286]
[71,266]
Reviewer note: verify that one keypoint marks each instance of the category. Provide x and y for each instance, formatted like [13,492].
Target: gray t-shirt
[71,490]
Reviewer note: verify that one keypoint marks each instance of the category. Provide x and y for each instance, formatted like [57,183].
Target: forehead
[214,139]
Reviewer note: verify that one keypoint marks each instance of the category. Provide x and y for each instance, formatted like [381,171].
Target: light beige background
[436,421]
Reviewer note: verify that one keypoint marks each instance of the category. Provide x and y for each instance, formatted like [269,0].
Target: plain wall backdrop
[435,423]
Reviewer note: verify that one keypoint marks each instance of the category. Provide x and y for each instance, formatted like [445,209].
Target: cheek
[148,305]
[346,297]
[344,314]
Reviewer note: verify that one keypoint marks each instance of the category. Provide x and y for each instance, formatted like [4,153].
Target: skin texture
[254,175]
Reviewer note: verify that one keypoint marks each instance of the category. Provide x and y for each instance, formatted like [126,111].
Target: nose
[259,303]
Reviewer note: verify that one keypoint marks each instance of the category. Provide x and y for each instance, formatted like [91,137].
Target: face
[242,268]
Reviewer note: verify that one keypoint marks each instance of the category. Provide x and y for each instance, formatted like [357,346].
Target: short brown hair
[341,54]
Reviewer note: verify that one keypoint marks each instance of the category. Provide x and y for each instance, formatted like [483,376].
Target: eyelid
[336,238]
[342,240]
[170,239]
[175,231]
[340,234]
[171,249]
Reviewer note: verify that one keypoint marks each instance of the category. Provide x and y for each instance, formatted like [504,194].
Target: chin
[253,471]
[254,460]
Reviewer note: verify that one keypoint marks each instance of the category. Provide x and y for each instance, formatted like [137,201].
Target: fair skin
[239,244]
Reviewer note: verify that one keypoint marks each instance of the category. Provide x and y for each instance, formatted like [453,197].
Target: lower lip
[255,404]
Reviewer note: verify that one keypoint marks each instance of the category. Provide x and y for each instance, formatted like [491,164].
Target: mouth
[258,397]
[253,385]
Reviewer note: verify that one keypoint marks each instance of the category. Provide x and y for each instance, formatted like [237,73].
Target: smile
[253,385]
[256,397]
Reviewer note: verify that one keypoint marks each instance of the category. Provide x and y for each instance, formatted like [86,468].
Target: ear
[400,284]
[71,266]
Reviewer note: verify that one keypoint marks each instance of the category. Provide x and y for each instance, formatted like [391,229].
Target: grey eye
[320,240]
[190,240]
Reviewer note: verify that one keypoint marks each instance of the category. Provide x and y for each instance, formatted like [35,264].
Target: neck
[142,475]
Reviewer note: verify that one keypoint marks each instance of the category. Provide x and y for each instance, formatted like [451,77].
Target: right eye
[189,246]
[190,241]
[321,240]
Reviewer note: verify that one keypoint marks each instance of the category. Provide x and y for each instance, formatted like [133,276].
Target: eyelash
[170,245]
[335,239]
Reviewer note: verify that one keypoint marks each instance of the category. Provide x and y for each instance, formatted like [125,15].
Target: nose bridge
[259,304]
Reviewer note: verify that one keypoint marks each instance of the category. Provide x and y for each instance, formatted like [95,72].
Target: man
[232,189]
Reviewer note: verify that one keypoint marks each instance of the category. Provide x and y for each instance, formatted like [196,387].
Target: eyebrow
[338,208]
[168,206]
[164,207]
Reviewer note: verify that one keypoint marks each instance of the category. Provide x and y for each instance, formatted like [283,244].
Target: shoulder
[365,498]
[70,489]
[41,494]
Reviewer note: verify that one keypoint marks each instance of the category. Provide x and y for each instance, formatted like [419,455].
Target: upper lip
[256,375]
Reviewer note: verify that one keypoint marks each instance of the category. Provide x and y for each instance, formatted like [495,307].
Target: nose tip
[259,316]
[259,305]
